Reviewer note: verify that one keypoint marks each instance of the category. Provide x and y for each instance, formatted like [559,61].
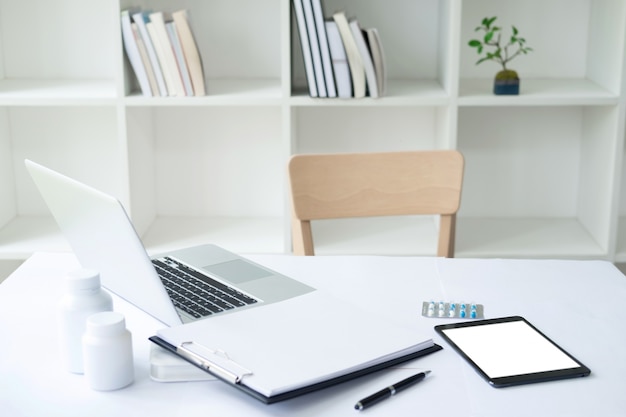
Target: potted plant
[506,80]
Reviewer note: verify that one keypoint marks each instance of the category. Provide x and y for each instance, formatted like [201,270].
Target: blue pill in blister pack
[473,311]
[452,309]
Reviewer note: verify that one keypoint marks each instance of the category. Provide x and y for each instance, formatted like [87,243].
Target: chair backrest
[330,186]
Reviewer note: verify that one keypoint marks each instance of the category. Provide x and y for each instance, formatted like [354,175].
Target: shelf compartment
[205,163]
[542,162]
[560,238]
[589,44]
[68,40]
[422,66]
[77,141]
[236,59]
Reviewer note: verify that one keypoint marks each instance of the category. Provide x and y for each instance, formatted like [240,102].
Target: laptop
[174,287]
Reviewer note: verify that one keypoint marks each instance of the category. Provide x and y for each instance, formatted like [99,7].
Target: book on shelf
[305,47]
[180,58]
[132,51]
[143,53]
[355,62]
[341,69]
[141,18]
[366,58]
[378,58]
[190,51]
[165,53]
[316,54]
[322,36]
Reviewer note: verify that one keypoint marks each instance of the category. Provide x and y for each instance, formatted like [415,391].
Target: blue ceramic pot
[506,85]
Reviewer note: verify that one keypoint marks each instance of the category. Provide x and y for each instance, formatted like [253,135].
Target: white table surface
[579,304]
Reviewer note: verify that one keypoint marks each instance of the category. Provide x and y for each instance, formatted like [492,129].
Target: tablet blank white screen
[507,349]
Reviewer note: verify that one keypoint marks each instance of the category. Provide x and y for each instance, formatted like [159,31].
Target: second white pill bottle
[108,352]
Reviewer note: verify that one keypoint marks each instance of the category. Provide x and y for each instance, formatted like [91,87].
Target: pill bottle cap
[106,323]
[82,279]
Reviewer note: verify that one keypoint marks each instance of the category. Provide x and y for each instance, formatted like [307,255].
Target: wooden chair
[331,186]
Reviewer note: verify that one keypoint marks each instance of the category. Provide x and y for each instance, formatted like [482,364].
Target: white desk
[579,304]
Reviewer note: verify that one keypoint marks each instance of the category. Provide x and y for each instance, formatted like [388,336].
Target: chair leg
[302,237]
[447,234]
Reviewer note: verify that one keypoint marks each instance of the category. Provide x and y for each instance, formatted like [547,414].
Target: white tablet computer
[510,351]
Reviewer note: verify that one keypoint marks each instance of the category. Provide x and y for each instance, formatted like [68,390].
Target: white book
[341,69]
[378,57]
[141,18]
[165,52]
[366,57]
[315,48]
[143,53]
[357,71]
[190,51]
[322,37]
[167,77]
[132,51]
[180,57]
[306,47]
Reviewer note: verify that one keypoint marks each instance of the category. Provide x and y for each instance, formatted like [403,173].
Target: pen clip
[214,361]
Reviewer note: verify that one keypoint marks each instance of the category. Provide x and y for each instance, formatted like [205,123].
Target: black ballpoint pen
[390,390]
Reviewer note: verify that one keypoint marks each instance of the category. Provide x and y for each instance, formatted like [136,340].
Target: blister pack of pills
[452,310]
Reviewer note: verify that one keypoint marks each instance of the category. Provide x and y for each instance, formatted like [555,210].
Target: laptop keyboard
[195,293]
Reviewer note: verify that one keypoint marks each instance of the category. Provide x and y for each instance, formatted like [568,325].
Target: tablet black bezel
[512,380]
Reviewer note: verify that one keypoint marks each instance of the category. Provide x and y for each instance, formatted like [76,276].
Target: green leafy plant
[502,50]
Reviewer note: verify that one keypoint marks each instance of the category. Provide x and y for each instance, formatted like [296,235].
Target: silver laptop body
[103,238]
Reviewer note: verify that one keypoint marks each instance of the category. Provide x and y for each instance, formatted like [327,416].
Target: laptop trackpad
[238,271]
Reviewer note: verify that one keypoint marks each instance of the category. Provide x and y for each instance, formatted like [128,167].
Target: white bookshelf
[544,170]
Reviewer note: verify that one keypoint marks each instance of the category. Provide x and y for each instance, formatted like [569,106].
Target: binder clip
[215,361]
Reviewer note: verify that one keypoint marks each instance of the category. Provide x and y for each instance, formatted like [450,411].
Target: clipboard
[283,350]
[233,378]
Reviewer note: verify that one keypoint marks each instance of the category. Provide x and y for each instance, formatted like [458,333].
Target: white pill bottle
[108,352]
[83,297]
